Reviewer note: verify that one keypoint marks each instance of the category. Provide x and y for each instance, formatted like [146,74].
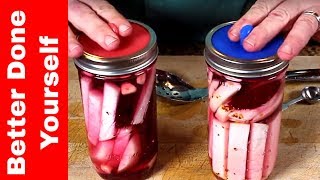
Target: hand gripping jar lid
[232,59]
[134,53]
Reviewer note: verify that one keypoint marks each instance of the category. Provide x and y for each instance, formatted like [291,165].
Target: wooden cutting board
[183,129]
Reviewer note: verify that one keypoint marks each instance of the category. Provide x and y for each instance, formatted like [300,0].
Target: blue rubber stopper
[244,32]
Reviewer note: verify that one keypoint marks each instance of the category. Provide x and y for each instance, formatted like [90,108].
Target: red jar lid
[135,52]
[130,45]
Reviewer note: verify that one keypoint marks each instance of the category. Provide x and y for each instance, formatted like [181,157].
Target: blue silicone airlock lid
[221,42]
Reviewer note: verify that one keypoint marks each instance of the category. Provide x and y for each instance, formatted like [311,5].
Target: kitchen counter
[182,129]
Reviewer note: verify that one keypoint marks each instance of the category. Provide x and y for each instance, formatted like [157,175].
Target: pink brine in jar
[244,109]
[119,104]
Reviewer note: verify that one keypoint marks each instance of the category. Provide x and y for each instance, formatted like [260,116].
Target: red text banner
[33,89]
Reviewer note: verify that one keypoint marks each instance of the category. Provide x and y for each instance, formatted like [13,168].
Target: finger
[114,28]
[273,24]
[86,20]
[304,28]
[74,47]
[256,14]
[109,13]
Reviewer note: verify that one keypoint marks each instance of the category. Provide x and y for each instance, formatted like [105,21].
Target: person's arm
[271,17]
[92,18]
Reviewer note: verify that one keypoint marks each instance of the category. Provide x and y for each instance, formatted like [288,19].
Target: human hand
[270,17]
[92,18]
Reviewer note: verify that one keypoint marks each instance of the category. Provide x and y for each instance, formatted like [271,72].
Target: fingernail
[234,33]
[109,40]
[123,28]
[286,49]
[250,41]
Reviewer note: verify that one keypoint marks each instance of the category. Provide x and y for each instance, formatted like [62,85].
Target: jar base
[219,178]
[139,175]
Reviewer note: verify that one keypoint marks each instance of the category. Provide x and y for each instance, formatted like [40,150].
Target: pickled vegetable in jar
[244,108]
[119,103]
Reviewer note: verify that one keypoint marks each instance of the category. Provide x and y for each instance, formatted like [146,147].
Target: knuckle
[260,7]
[262,31]
[103,30]
[309,21]
[116,18]
[250,17]
[112,16]
[87,15]
[78,11]
[100,28]
[73,5]
[107,14]
[94,30]
[296,39]
[280,14]
[241,21]
[105,7]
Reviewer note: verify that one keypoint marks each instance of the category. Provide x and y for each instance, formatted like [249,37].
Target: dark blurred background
[181,25]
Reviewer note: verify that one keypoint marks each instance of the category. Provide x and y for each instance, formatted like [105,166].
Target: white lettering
[16,166]
[47,140]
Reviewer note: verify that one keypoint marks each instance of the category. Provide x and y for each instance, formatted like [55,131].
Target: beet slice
[111,94]
[219,147]
[127,88]
[213,86]
[223,93]
[103,151]
[132,153]
[259,113]
[106,168]
[145,165]
[210,132]
[256,150]
[223,112]
[141,79]
[94,115]
[120,144]
[144,98]
[152,161]
[271,150]
[85,83]
[237,150]
[234,79]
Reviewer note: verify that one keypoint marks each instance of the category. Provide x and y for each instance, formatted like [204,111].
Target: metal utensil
[174,88]
[310,75]
[310,94]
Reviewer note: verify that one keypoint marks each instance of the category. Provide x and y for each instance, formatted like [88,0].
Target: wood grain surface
[182,129]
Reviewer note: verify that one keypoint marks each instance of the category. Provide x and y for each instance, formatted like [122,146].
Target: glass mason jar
[244,109]
[119,103]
